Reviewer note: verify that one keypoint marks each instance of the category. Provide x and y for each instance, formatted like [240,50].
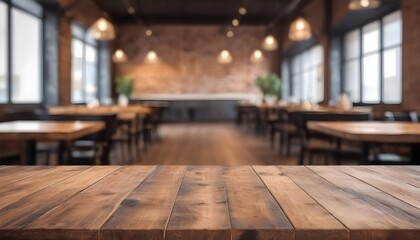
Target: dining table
[374,132]
[31,132]
[210,202]
[121,111]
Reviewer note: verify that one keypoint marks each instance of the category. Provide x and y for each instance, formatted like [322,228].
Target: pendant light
[300,30]
[257,56]
[119,56]
[270,43]
[364,4]
[102,30]
[224,57]
[151,57]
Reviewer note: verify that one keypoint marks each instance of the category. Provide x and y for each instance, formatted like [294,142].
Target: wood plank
[410,177]
[201,210]
[47,130]
[86,212]
[360,207]
[385,132]
[395,187]
[17,173]
[144,214]
[310,220]
[254,213]
[23,212]
[25,187]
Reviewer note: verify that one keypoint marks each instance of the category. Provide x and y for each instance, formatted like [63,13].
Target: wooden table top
[210,202]
[392,132]
[124,110]
[47,130]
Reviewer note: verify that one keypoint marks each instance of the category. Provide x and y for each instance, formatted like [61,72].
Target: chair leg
[281,142]
[272,136]
[310,157]
[302,157]
[288,145]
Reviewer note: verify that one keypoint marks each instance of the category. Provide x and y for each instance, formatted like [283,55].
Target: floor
[212,144]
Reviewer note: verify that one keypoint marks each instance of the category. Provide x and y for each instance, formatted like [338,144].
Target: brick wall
[188,59]
[411,54]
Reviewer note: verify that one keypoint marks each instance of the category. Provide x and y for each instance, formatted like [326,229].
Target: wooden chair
[314,143]
[89,149]
[396,153]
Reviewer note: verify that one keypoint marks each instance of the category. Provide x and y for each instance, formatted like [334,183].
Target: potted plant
[269,84]
[124,88]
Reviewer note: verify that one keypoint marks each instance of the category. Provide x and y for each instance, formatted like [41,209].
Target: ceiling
[196,11]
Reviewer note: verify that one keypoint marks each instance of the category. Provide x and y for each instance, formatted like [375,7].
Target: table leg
[365,153]
[29,157]
[64,152]
[415,154]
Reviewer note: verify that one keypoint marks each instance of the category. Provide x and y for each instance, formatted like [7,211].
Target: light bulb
[102,25]
[270,43]
[149,32]
[300,25]
[364,3]
[224,57]
[235,22]
[119,56]
[257,56]
[229,34]
[242,11]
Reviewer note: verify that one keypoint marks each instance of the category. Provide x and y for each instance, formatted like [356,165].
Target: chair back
[104,136]
[302,119]
[398,116]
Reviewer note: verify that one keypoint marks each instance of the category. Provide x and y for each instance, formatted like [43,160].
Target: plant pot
[123,100]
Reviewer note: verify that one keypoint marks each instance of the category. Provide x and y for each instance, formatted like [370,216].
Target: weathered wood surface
[210,202]
[47,130]
[386,132]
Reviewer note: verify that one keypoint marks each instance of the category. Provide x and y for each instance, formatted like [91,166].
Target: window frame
[362,55]
[37,13]
[83,38]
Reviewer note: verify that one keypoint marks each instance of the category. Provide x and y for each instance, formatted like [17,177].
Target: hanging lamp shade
[364,4]
[224,57]
[257,56]
[270,43]
[119,56]
[151,57]
[102,30]
[300,30]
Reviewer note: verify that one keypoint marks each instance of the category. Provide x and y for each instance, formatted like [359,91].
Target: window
[372,61]
[3,53]
[84,67]
[307,75]
[20,76]
[26,58]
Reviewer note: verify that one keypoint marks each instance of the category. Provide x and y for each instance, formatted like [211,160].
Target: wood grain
[144,214]
[27,186]
[407,174]
[26,210]
[366,211]
[310,220]
[88,211]
[386,132]
[201,210]
[13,173]
[210,202]
[254,213]
[47,130]
[395,187]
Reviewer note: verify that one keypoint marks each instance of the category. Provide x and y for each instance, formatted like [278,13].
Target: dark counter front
[197,110]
